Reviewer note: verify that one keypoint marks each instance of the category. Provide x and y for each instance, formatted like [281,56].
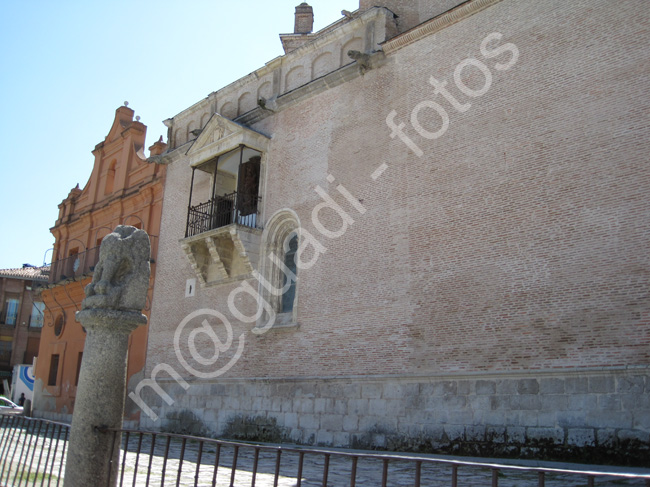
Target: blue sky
[65,66]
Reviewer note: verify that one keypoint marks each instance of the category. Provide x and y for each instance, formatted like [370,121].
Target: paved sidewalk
[369,471]
[29,459]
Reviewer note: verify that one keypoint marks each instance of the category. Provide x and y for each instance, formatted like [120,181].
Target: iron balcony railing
[80,264]
[221,211]
[74,266]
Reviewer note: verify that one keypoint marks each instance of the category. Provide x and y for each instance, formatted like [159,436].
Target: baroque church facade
[123,188]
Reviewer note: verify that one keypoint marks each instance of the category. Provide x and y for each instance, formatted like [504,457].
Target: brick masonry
[514,245]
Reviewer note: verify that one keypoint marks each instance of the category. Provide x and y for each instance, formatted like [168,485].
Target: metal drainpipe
[189,204]
[237,195]
[214,196]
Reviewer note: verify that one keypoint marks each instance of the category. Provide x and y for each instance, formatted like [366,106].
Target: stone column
[110,312]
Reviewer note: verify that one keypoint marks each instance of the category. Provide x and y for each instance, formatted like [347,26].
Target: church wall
[493,284]
[582,416]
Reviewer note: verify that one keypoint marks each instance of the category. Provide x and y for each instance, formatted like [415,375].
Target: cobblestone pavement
[32,456]
[30,459]
[369,471]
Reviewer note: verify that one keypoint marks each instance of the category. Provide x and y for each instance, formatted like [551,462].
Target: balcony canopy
[221,136]
[229,162]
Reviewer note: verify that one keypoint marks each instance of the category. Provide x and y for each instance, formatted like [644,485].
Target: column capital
[111,319]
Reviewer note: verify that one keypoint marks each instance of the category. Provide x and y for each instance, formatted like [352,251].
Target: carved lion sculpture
[121,276]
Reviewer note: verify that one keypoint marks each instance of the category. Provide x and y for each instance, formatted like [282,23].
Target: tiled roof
[31,273]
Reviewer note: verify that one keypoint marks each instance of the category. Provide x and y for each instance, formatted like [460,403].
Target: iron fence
[149,458]
[33,453]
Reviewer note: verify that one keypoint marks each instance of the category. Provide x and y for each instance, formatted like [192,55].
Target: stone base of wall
[596,416]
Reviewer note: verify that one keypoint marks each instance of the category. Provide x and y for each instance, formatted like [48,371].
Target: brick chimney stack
[304,19]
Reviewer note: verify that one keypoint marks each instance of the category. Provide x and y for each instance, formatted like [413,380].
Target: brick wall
[512,244]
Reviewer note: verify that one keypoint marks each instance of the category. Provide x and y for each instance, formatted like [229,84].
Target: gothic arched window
[288,283]
[278,268]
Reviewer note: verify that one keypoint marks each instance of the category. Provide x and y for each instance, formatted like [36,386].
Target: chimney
[304,19]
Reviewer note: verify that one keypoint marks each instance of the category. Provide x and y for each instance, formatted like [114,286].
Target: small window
[288,297]
[5,351]
[76,381]
[110,178]
[72,263]
[36,319]
[133,221]
[54,370]
[31,350]
[58,325]
[10,312]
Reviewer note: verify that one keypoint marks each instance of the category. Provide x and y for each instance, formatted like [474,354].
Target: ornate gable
[123,119]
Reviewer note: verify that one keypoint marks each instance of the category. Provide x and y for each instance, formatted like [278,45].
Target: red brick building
[123,189]
[21,318]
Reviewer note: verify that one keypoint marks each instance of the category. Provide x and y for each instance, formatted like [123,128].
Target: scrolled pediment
[221,135]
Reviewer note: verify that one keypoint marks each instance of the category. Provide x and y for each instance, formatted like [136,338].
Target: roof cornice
[436,24]
[335,31]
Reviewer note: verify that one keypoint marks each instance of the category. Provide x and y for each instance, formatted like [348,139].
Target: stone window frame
[278,231]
